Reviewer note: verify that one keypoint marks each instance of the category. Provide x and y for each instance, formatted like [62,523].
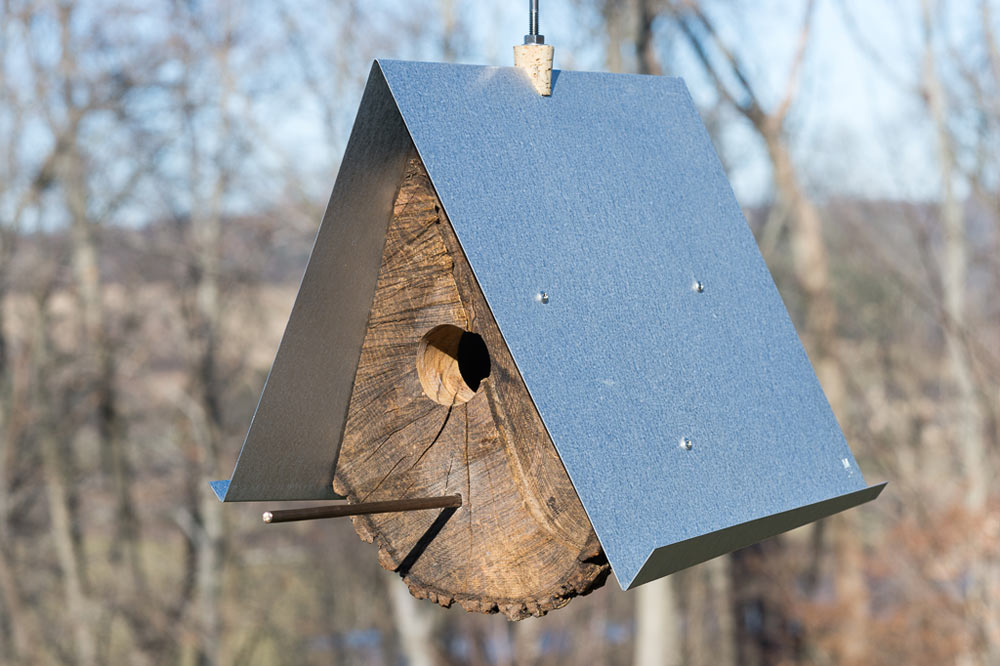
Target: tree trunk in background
[207,230]
[9,597]
[96,346]
[99,351]
[616,15]
[723,641]
[709,626]
[809,258]
[85,269]
[449,33]
[205,428]
[658,622]
[78,607]
[955,282]
[527,648]
[981,607]
[645,48]
[11,608]
[414,623]
[206,227]
[209,575]
[698,645]
[210,546]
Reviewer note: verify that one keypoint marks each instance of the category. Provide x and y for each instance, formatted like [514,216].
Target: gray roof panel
[610,198]
[291,448]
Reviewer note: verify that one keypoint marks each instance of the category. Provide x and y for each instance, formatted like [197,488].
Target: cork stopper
[536,61]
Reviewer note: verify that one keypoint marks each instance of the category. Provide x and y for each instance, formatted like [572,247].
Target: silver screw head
[698,286]
[542,297]
[686,443]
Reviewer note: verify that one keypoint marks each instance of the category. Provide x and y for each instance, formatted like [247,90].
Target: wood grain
[521,543]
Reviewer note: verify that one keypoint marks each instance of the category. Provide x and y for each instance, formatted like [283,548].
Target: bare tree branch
[794,73]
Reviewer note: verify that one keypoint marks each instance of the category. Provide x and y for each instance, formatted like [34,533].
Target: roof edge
[291,449]
[669,559]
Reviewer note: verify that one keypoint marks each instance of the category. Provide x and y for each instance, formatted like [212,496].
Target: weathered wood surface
[521,543]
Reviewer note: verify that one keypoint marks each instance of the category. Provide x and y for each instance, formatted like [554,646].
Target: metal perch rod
[341,510]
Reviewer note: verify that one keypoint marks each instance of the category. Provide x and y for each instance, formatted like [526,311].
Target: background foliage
[163,168]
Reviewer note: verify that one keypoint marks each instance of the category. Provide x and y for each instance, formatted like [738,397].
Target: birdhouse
[550,311]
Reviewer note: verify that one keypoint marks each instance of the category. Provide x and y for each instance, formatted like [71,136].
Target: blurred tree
[955,271]
[66,100]
[978,474]
[415,624]
[15,638]
[658,622]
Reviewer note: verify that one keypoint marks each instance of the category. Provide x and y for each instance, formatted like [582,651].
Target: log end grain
[430,416]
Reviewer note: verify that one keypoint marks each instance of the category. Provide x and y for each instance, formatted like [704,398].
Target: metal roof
[662,360]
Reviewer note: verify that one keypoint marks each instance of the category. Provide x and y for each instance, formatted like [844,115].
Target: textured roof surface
[678,410]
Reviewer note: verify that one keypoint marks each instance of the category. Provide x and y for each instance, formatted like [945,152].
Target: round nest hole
[452,364]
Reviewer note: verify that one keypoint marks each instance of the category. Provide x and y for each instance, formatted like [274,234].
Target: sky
[857,128]
[853,126]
